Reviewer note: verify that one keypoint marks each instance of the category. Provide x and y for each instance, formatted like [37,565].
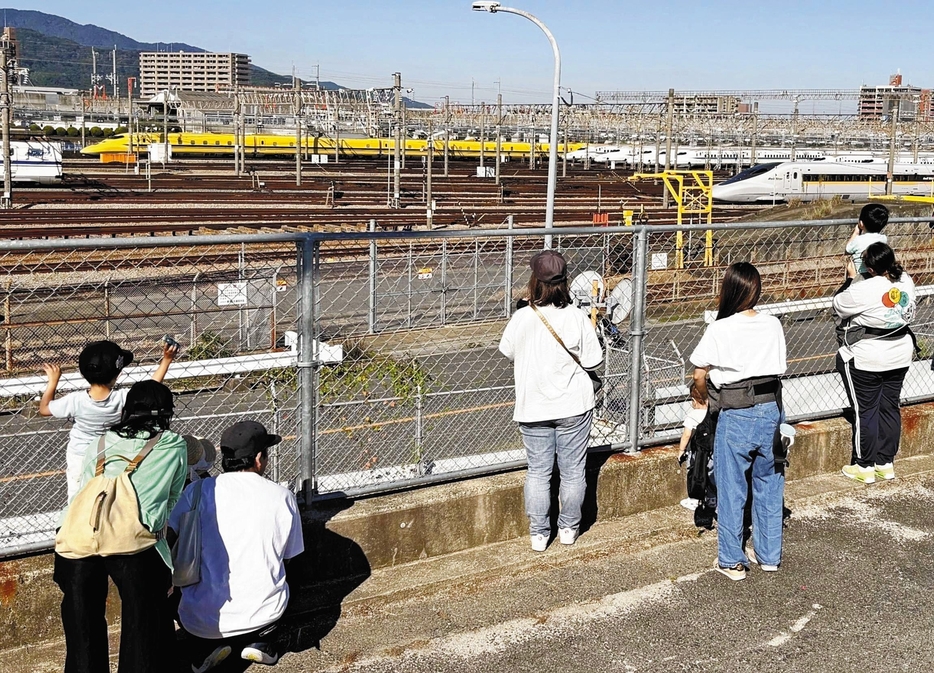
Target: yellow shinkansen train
[222,144]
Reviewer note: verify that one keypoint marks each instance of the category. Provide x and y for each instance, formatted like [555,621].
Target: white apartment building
[191,71]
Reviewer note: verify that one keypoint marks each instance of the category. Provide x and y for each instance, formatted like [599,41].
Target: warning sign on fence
[425,273]
[232,294]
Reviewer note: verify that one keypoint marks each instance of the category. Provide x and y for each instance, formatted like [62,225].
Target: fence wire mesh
[230,306]
[406,382]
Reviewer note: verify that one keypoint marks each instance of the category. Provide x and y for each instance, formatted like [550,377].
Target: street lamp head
[486,6]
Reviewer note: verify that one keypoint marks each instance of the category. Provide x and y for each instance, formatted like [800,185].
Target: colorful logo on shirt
[895,297]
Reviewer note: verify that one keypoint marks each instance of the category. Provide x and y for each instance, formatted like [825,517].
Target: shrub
[95,132]
[48,130]
[34,127]
[107,133]
[60,131]
[73,132]
[208,346]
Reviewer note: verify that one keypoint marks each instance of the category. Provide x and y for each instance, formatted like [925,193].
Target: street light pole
[493,7]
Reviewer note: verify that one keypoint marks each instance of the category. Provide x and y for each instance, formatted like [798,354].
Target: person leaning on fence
[876,348]
[249,527]
[142,445]
[94,410]
[554,395]
[743,353]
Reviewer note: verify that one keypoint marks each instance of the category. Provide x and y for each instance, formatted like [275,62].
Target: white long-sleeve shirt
[878,302]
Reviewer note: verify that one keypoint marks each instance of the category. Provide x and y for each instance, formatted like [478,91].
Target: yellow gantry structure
[693,194]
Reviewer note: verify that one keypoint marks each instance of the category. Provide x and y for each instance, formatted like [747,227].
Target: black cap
[246,439]
[549,267]
[102,361]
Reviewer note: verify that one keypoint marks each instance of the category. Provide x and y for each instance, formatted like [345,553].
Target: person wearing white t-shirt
[741,347]
[95,410]
[874,366]
[554,395]
[250,527]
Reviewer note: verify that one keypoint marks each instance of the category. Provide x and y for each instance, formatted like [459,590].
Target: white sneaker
[567,535]
[690,503]
[539,542]
[212,660]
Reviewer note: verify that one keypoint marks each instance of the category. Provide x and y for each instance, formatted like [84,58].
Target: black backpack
[698,464]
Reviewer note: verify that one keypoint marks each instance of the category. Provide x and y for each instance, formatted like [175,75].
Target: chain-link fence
[375,356]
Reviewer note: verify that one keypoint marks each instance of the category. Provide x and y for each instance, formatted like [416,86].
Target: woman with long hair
[147,635]
[875,353]
[743,354]
[551,344]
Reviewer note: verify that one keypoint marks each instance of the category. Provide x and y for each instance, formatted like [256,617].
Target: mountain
[57,52]
[87,35]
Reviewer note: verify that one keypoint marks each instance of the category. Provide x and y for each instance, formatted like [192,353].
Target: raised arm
[168,354]
[54,372]
[699,392]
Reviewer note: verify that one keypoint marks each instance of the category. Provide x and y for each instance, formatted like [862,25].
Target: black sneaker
[260,653]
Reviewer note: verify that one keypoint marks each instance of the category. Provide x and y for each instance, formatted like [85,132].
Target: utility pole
[296,85]
[397,143]
[236,130]
[755,132]
[165,128]
[115,81]
[428,161]
[499,133]
[130,81]
[668,128]
[890,172]
[794,130]
[6,51]
[447,131]
[482,130]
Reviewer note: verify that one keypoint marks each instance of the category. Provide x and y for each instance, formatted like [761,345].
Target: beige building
[191,71]
[878,102]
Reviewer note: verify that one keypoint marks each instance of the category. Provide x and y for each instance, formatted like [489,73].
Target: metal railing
[375,354]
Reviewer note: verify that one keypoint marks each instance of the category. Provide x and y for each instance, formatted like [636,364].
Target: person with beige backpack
[114,527]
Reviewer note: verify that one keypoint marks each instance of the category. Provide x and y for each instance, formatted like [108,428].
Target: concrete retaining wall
[345,540]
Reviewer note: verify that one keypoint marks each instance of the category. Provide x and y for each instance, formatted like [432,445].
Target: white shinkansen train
[813,180]
[38,161]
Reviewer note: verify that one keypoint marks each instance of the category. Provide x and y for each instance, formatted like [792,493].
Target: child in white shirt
[95,410]
[872,220]
[692,419]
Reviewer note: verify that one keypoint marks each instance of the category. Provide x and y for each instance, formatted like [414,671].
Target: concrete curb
[347,541]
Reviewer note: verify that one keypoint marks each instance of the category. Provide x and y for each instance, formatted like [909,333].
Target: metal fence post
[107,308]
[476,278]
[308,363]
[636,331]
[372,292]
[408,289]
[193,336]
[507,294]
[444,282]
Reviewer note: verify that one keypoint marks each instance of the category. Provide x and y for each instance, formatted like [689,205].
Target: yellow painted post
[594,298]
[627,218]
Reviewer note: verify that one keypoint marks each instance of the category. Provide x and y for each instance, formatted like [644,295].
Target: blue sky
[440,46]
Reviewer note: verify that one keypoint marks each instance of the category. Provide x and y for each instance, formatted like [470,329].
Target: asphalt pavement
[640,594]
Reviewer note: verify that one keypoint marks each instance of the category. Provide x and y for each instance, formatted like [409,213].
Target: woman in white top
[743,353]
[874,357]
[554,395]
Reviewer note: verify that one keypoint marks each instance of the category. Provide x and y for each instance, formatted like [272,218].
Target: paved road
[853,594]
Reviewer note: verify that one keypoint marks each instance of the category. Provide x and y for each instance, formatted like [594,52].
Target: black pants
[877,426]
[147,635]
[198,649]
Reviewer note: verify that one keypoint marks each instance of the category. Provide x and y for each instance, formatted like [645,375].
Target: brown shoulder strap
[555,335]
[147,447]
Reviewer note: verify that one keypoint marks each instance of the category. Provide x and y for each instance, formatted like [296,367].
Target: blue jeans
[743,443]
[567,438]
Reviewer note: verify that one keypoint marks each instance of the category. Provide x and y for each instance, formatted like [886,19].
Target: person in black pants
[147,632]
[875,353]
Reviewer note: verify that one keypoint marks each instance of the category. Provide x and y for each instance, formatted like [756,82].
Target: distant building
[710,105]
[878,102]
[191,71]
